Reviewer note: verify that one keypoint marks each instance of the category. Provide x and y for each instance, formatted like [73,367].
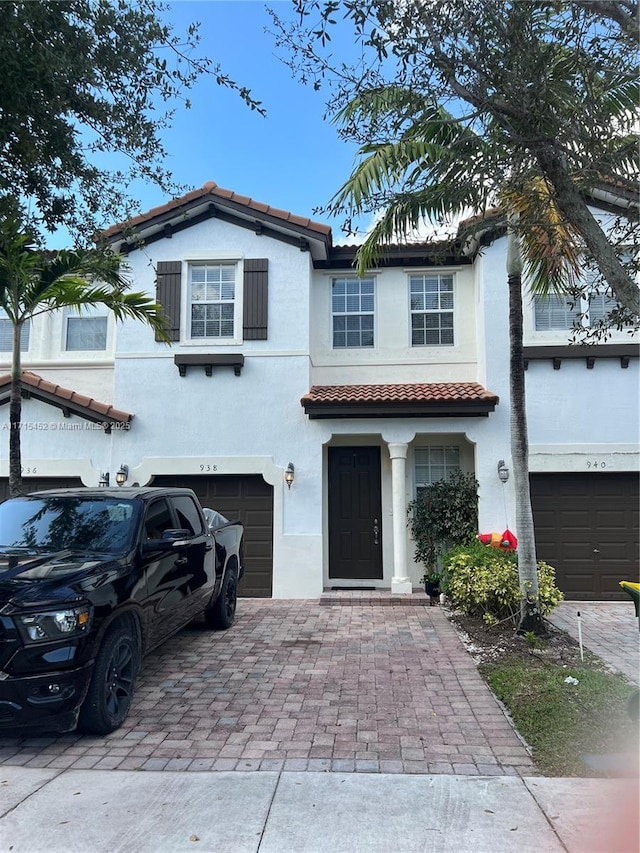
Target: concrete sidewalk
[48,811]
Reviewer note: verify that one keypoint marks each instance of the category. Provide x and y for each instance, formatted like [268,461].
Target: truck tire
[221,613]
[112,683]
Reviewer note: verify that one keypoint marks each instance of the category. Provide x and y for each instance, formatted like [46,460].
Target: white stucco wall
[393,359]
[254,423]
[578,418]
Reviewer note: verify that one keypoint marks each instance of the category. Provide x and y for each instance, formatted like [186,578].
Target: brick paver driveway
[297,685]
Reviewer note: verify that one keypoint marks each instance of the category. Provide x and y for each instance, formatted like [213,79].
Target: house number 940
[596,464]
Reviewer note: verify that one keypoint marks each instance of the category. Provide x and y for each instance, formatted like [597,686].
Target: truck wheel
[111,689]
[222,612]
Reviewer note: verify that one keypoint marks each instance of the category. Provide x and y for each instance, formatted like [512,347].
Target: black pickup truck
[90,581]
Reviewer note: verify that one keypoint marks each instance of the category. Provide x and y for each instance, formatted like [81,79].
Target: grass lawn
[562,722]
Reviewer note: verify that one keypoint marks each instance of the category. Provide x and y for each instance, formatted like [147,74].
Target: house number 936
[596,464]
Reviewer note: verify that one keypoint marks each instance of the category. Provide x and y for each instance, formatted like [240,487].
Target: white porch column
[400,582]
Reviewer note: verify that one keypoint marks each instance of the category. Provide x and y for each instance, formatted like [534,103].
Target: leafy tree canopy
[469,104]
[81,79]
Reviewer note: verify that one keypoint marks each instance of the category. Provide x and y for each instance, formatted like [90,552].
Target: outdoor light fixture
[503,471]
[103,482]
[289,474]
[121,476]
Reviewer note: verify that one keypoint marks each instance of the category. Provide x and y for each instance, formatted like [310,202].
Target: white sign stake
[580,637]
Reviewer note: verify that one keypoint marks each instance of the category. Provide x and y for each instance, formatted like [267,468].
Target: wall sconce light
[289,474]
[503,471]
[103,482]
[122,475]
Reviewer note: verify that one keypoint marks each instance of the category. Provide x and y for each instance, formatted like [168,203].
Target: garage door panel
[587,527]
[610,520]
[576,584]
[249,499]
[575,552]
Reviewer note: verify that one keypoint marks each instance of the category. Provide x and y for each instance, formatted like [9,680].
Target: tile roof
[64,398]
[429,392]
[406,400]
[215,193]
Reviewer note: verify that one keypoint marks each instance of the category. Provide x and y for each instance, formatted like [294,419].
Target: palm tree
[34,281]
[437,168]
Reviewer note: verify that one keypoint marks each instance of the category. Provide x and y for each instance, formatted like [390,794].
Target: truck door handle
[181,561]
[376,530]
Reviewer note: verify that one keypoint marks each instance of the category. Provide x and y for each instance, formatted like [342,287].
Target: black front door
[355,518]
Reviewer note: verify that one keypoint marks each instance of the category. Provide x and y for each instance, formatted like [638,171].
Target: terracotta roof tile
[434,392]
[66,395]
[213,190]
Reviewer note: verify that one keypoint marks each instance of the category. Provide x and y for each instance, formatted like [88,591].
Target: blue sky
[291,159]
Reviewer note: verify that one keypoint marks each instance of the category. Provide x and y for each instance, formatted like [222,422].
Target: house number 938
[596,464]
[208,468]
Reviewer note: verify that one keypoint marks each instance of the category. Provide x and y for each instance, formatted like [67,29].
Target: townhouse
[314,404]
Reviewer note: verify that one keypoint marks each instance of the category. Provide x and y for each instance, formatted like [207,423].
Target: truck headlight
[54,624]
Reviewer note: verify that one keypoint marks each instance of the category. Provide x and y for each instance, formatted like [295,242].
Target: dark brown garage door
[587,528]
[249,499]
[37,484]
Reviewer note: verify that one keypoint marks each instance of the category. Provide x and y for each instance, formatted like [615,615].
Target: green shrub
[483,581]
[444,514]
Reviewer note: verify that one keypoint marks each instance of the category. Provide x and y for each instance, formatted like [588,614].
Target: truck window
[188,515]
[157,519]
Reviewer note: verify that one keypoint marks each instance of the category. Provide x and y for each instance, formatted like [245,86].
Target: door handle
[376,530]
[181,561]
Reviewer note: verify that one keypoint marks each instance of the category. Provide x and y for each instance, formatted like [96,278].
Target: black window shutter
[255,303]
[168,295]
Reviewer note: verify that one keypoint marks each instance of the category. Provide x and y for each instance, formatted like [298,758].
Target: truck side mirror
[171,538]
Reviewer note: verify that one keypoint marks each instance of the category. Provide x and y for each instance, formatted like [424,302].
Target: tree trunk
[530,616]
[15,416]
[570,201]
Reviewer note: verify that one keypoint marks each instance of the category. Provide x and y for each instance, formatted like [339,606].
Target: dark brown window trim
[556,353]
[448,409]
[300,238]
[209,361]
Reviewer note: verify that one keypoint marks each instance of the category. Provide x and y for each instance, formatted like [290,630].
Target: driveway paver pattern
[299,685]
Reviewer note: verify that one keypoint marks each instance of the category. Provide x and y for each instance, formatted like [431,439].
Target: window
[431,310]
[188,515]
[554,312]
[578,310]
[352,306]
[6,334]
[158,519]
[560,312]
[212,289]
[435,463]
[86,330]
[600,305]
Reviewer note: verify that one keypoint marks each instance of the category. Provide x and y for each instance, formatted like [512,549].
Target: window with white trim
[431,300]
[435,462]
[87,329]
[212,300]
[581,309]
[353,312]
[6,334]
[566,312]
